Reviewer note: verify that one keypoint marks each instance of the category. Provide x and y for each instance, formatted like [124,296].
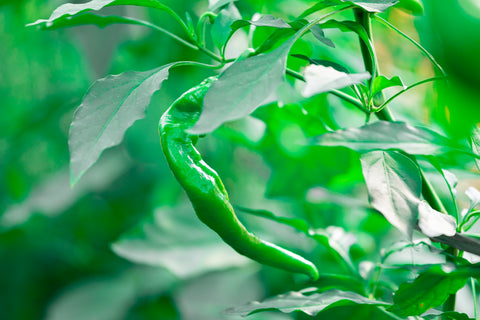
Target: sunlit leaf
[242,88]
[429,290]
[108,109]
[70,9]
[86,18]
[394,186]
[322,79]
[434,223]
[309,304]
[388,135]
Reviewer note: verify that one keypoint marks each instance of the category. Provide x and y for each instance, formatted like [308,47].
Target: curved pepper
[206,190]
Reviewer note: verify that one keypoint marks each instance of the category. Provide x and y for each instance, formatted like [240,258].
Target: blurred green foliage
[55,242]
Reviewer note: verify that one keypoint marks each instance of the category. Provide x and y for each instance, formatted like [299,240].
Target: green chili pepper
[413,6]
[206,190]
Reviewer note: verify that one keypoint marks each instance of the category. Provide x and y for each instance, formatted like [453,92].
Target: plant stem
[364,18]
[415,43]
[474,294]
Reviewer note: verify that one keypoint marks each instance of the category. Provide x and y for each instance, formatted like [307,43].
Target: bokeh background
[124,243]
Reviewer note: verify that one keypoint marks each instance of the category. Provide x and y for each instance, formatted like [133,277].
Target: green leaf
[318,33]
[110,106]
[450,315]
[269,21]
[394,187]
[434,223]
[429,290]
[86,18]
[309,304]
[298,224]
[380,83]
[384,135]
[338,241]
[474,195]
[242,88]
[321,62]
[373,5]
[221,28]
[320,6]
[321,79]
[175,239]
[107,298]
[70,9]
[214,5]
[475,140]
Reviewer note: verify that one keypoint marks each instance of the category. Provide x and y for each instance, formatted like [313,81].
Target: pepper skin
[206,190]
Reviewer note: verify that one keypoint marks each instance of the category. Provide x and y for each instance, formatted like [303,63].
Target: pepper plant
[291,65]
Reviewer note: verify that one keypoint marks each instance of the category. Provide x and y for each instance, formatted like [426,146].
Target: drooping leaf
[418,253]
[175,239]
[394,187]
[109,108]
[221,28]
[242,88]
[384,135]
[70,9]
[318,33]
[86,18]
[322,62]
[381,82]
[309,304]
[321,79]
[429,290]
[348,26]
[263,21]
[434,223]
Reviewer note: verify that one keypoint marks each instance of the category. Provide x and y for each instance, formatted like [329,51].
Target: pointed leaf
[381,82]
[317,31]
[309,304]
[86,18]
[242,88]
[394,186]
[386,135]
[429,290]
[109,108]
[70,9]
[322,79]
[373,5]
[434,223]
